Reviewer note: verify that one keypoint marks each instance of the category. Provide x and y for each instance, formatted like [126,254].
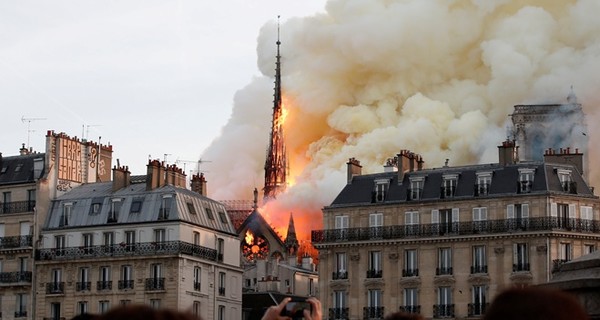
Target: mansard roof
[206,212]
[504,182]
[20,169]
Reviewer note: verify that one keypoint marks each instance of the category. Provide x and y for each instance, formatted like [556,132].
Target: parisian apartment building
[442,242]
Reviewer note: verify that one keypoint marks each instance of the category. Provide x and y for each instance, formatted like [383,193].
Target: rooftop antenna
[200,161]
[29,131]
[87,130]
[166,155]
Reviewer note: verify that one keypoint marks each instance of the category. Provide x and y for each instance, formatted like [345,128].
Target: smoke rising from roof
[365,79]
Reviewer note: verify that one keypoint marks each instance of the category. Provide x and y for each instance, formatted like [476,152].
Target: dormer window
[525,180]
[115,207]
[566,182]
[65,216]
[381,188]
[484,181]
[449,182]
[165,207]
[416,188]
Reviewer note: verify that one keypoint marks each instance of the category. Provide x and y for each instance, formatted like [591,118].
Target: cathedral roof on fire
[504,180]
[258,225]
[92,205]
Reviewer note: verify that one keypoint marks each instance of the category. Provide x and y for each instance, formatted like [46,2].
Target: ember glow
[366,79]
[249,237]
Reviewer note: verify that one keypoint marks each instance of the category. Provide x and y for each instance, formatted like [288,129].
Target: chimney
[508,153]
[199,184]
[565,156]
[354,169]
[406,163]
[121,178]
[155,175]
[391,165]
[23,151]
[420,163]
[170,175]
[307,263]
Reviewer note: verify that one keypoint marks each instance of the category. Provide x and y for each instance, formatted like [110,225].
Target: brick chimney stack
[354,169]
[408,162]
[153,176]
[121,178]
[199,184]
[565,156]
[508,153]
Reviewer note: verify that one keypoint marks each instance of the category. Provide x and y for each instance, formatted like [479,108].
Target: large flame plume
[365,79]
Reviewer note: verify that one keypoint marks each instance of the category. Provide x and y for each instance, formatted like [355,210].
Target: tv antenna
[197,162]
[29,131]
[86,127]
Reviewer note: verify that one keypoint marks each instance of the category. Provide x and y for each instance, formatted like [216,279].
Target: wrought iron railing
[557,263]
[477,309]
[456,229]
[443,310]
[21,314]
[221,291]
[338,313]
[443,271]
[15,242]
[197,286]
[123,250]
[339,275]
[479,269]
[104,285]
[83,286]
[411,309]
[55,287]
[125,284]
[153,284]
[18,276]
[410,272]
[17,207]
[373,313]
[54,318]
[520,267]
[374,273]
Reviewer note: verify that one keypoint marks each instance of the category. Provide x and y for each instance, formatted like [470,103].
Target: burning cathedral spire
[276,160]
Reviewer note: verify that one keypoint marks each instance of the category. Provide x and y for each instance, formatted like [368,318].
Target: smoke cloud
[365,79]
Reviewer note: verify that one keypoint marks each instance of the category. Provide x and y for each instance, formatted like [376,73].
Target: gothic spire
[291,242]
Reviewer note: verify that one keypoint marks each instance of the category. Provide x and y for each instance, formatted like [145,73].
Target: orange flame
[249,237]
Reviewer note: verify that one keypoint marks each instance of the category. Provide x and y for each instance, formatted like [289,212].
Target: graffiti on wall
[69,160]
[63,185]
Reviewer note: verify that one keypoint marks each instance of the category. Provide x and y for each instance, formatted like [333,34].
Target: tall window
[375,224]
[21,305]
[339,303]
[126,281]
[196,236]
[449,185]
[477,307]
[55,310]
[444,261]
[115,207]
[65,217]
[340,266]
[566,181]
[197,278]
[411,267]
[6,197]
[103,306]
[416,188]
[109,241]
[84,279]
[196,308]
[60,244]
[525,180]
[57,285]
[374,265]
[165,207]
[446,220]
[411,300]
[341,224]
[411,222]
[88,242]
[479,218]
[565,252]
[520,257]
[31,195]
[518,215]
[82,307]
[221,283]
[374,308]
[380,192]
[221,313]
[479,260]
[484,180]
[130,240]
[104,278]
[220,248]
[445,307]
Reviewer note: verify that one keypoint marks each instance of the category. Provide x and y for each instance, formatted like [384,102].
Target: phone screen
[295,309]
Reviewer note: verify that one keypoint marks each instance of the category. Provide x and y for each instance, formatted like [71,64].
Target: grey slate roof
[504,182]
[83,197]
[19,169]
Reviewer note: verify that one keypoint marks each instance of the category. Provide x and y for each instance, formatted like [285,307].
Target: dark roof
[505,181]
[258,225]
[20,169]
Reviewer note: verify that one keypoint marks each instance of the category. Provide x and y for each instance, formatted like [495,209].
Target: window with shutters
[445,220]
[480,218]
[411,222]
[341,224]
[517,216]
[375,224]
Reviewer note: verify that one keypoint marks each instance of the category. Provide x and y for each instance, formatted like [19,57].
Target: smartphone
[295,309]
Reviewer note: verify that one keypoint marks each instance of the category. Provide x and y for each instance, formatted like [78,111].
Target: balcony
[83,286]
[411,309]
[338,313]
[373,313]
[104,285]
[443,271]
[17,207]
[21,314]
[155,284]
[15,242]
[15,277]
[479,269]
[518,267]
[123,250]
[477,309]
[55,288]
[125,284]
[443,311]
[556,264]
[221,291]
[374,273]
[410,272]
[339,275]
[456,229]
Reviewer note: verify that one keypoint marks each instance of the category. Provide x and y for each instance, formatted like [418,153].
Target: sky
[155,79]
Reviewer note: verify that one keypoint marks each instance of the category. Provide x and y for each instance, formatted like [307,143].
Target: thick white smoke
[368,78]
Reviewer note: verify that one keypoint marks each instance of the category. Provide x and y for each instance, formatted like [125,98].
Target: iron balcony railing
[479,269]
[197,286]
[339,275]
[557,263]
[443,271]
[54,318]
[456,229]
[104,285]
[443,310]
[338,313]
[17,207]
[123,250]
[83,286]
[410,272]
[374,273]
[18,276]
[20,314]
[221,291]
[373,313]
[520,267]
[15,242]
[477,309]
[125,284]
[55,288]
[411,309]
[153,284]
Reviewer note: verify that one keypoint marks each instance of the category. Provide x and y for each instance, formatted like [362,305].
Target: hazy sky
[150,77]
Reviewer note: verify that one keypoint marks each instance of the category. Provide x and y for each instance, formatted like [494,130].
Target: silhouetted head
[403,316]
[144,312]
